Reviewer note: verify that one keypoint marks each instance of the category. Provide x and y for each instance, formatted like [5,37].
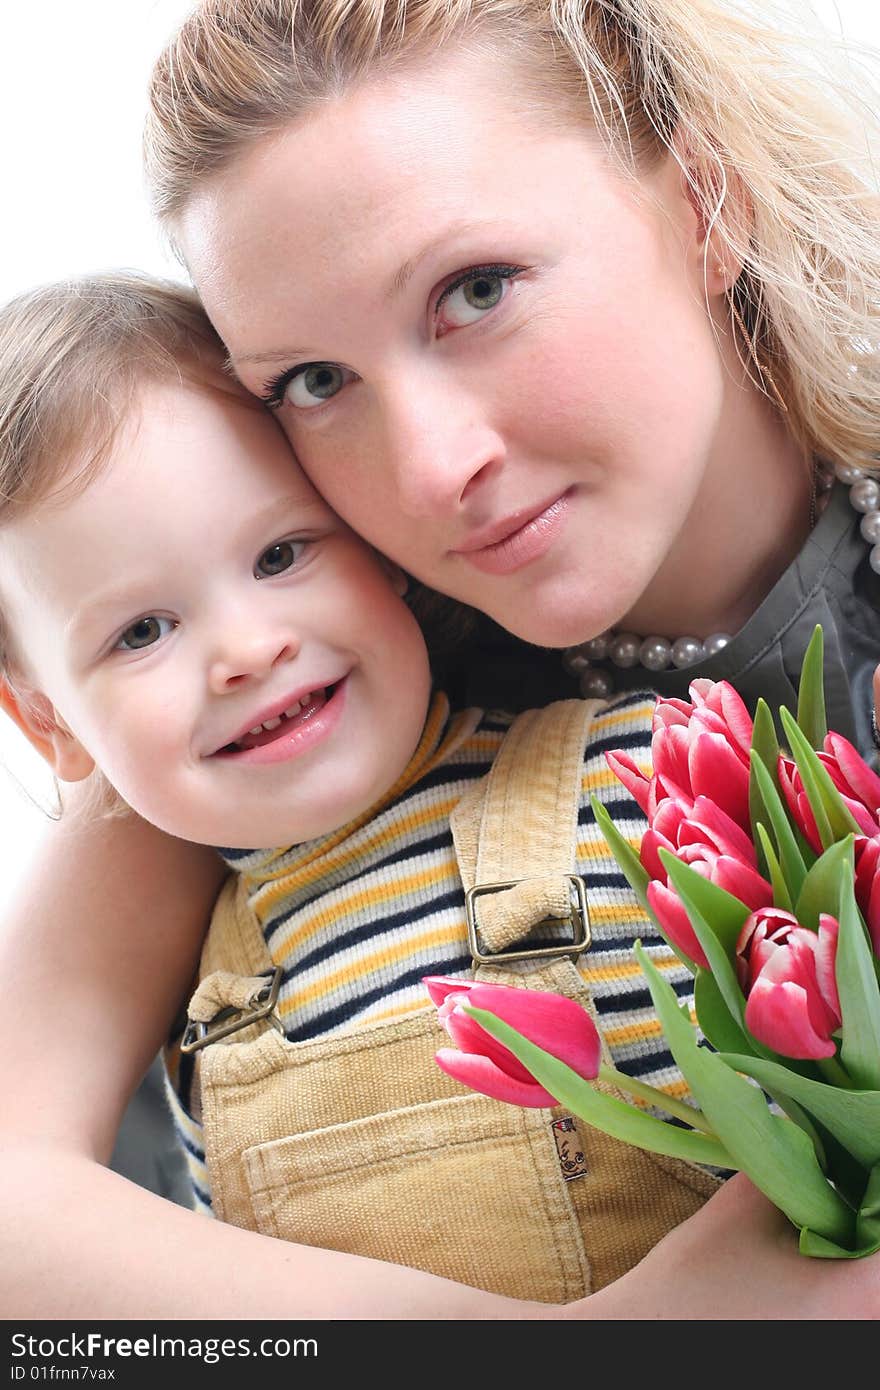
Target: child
[183,612]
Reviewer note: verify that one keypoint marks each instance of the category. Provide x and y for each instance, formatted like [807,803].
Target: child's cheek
[146,737]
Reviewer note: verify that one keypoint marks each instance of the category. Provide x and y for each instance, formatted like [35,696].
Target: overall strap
[239,982]
[515,838]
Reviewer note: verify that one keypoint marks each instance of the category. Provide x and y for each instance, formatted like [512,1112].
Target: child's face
[198,589]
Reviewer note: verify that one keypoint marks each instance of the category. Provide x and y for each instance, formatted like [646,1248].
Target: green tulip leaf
[790,858]
[847,1174]
[811,692]
[799,1116]
[868,1219]
[765,739]
[821,887]
[859,992]
[717,919]
[833,819]
[776,1154]
[853,1117]
[603,1112]
[812,1244]
[714,1017]
[634,872]
[781,896]
[805,758]
[660,1100]
[766,745]
[867,1232]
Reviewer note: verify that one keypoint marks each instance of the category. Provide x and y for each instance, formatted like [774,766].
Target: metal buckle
[579,918]
[198,1035]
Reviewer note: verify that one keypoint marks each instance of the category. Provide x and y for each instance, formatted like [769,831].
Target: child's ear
[45,731]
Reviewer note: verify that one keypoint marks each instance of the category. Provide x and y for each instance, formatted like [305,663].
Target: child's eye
[473,295]
[307,386]
[278,557]
[144,633]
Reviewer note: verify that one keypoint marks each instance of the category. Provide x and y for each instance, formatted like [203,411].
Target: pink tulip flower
[798,802]
[698,748]
[552,1022]
[669,910]
[852,776]
[697,803]
[715,847]
[859,789]
[858,786]
[867,885]
[787,975]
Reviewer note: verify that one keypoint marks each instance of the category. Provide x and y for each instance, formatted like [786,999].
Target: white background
[72,80]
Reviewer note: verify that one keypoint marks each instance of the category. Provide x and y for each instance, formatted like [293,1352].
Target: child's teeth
[296,708]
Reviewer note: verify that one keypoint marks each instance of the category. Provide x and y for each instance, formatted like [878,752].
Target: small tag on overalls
[571,1155]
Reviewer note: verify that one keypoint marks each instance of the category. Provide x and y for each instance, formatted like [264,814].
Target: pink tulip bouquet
[761,869]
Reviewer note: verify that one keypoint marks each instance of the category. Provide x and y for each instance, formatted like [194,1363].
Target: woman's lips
[525,542]
[295,736]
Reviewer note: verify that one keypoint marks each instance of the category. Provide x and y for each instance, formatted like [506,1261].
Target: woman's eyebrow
[282,354]
[402,277]
[399,280]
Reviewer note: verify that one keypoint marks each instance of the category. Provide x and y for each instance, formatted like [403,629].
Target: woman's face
[492,355]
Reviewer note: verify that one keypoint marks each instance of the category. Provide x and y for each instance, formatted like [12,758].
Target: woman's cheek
[331,461]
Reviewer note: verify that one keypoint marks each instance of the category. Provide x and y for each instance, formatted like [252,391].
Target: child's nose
[249,655]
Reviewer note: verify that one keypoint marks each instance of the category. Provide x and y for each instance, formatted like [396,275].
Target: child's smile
[281,734]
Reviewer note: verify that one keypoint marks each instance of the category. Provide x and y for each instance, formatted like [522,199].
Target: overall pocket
[359,1143]
[463,1187]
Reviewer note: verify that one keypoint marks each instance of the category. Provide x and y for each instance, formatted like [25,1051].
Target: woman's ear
[723,214]
[35,715]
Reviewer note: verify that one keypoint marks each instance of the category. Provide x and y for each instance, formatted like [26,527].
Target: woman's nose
[441,449]
[248,652]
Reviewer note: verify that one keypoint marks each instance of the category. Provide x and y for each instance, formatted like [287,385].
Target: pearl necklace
[626,649]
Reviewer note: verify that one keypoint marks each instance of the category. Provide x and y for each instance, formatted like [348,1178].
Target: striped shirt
[355,919]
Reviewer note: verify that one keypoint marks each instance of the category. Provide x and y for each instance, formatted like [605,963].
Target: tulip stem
[832,1070]
[682,1111]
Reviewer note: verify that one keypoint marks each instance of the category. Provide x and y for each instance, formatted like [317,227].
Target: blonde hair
[778,147]
[72,358]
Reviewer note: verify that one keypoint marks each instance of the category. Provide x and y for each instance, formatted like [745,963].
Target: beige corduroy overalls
[359,1142]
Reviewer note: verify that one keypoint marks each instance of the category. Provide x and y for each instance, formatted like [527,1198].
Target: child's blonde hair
[72,358]
[779,153]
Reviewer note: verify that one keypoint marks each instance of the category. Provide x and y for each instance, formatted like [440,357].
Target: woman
[579,371]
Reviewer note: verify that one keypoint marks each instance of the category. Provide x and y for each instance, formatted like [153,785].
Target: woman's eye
[144,633]
[279,557]
[469,299]
[312,385]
